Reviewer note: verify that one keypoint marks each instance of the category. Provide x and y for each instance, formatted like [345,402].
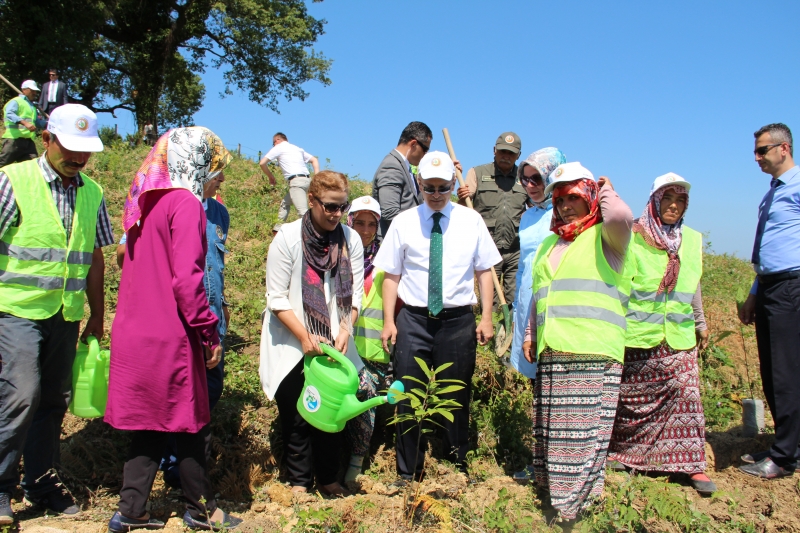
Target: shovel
[504,335]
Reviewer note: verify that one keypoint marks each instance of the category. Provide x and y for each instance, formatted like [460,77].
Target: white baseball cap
[366,203]
[670,178]
[30,84]
[75,125]
[436,165]
[565,173]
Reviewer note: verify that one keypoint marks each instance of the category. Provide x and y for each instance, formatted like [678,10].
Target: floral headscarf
[545,162]
[183,158]
[586,189]
[662,236]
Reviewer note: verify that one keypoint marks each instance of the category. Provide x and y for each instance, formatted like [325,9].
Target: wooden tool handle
[14,88]
[453,157]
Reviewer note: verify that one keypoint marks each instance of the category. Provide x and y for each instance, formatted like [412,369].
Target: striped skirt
[575,400]
[660,424]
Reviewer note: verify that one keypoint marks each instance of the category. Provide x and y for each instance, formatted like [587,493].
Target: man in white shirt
[431,255]
[293,162]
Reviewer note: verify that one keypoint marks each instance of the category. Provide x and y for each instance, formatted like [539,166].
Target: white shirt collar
[401,155]
[427,212]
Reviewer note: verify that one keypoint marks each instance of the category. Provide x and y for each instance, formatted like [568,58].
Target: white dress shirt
[52,90]
[280,349]
[292,159]
[467,247]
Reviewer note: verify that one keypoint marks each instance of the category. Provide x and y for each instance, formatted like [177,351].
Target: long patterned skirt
[360,428]
[660,424]
[575,399]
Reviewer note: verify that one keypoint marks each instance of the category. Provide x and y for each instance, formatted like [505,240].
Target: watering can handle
[94,347]
[334,354]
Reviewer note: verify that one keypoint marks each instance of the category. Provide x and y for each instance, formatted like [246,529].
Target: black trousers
[778,336]
[435,341]
[307,451]
[17,151]
[147,448]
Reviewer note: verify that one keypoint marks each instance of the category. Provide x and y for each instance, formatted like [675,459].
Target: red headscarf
[586,189]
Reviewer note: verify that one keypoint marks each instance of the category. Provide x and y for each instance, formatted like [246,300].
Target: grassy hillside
[247,440]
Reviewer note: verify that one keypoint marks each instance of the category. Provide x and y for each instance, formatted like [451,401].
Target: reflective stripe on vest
[580,308]
[25,111]
[369,325]
[653,318]
[40,272]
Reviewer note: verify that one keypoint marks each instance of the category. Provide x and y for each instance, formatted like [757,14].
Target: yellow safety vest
[651,317]
[25,111]
[368,327]
[580,308]
[40,272]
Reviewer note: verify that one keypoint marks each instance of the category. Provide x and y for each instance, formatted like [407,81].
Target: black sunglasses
[762,150]
[533,180]
[444,189]
[332,208]
[425,148]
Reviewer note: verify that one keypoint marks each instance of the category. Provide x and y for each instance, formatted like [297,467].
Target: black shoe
[228,522]
[766,469]
[57,500]
[6,514]
[123,524]
[703,488]
[751,458]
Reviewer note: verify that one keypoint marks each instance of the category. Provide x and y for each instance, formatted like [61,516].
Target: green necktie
[435,302]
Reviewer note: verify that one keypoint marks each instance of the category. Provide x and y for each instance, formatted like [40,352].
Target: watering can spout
[352,406]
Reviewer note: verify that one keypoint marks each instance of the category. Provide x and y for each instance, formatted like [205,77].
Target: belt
[296,175]
[444,314]
[771,279]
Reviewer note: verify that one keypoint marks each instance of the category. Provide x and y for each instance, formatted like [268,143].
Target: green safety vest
[40,272]
[500,205]
[368,327]
[651,317]
[580,308]
[26,111]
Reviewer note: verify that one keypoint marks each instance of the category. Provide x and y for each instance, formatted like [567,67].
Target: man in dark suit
[393,186]
[54,93]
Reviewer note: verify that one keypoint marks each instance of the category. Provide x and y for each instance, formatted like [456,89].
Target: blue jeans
[36,359]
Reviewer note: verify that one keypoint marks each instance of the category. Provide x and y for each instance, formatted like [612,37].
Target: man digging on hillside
[21,118]
[772,303]
[53,225]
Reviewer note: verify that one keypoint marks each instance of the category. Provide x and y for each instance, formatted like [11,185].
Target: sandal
[335,490]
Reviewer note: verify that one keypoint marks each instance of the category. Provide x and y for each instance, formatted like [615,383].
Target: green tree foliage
[146,56]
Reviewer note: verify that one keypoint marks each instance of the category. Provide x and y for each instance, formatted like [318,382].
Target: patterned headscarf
[586,189]
[662,236]
[371,249]
[545,162]
[183,158]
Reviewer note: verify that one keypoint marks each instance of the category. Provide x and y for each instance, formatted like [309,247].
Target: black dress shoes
[766,469]
[751,458]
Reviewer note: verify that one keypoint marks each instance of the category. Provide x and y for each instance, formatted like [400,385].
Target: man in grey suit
[393,186]
[54,93]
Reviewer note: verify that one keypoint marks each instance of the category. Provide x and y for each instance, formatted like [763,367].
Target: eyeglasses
[762,150]
[444,189]
[332,208]
[424,147]
[533,180]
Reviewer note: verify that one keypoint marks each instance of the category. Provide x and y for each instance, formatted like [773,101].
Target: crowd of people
[608,313]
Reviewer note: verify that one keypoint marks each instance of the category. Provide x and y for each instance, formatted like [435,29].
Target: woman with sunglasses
[660,424]
[315,282]
[577,331]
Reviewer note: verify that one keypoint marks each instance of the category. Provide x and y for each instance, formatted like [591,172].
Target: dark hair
[416,131]
[52,70]
[779,133]
[280,135]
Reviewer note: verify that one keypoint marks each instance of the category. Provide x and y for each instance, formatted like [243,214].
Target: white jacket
[280,349]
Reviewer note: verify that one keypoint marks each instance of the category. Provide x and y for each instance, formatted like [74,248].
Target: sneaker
[58,500]
[123,524]
[228,522]
[6,514]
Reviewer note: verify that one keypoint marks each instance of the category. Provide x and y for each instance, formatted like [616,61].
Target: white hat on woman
[366,203]
[567,172]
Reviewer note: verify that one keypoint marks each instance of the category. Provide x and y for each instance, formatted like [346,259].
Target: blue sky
[632,90]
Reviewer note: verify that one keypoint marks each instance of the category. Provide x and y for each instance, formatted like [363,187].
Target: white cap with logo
[436,165]
[567,172]
[366,203]
[75,125]
[670,178]
[30,84]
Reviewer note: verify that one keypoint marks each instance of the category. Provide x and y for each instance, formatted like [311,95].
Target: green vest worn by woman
[369,325]
[501,202]
[39,271]
[651,317]
[580,308]
[25,111]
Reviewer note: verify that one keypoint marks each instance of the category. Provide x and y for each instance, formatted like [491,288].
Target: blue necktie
[762,221]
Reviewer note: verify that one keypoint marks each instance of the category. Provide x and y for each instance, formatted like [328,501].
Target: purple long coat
[157,375]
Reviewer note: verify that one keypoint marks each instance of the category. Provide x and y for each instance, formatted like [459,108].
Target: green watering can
[328,399]
[89,380]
